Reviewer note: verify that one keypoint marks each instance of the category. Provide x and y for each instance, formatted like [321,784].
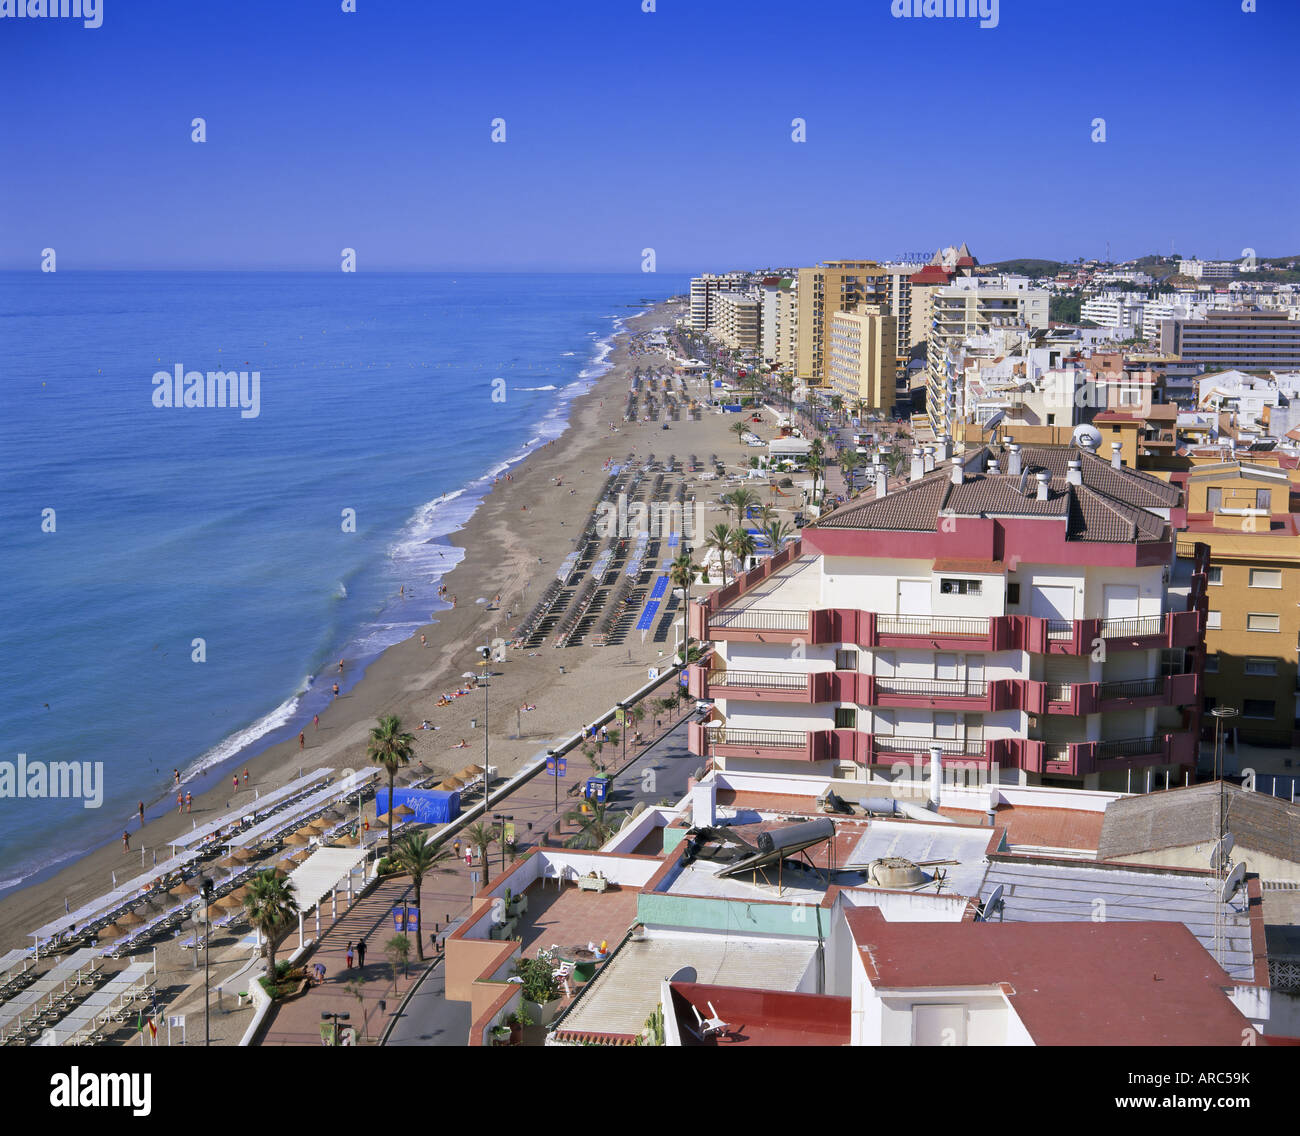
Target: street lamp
[486,653]
[205,890]
[500,820]
[335,1018]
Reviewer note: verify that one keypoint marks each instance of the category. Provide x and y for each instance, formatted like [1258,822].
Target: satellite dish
[1222,849]
[992,904]
[1232,883]
[1086,436]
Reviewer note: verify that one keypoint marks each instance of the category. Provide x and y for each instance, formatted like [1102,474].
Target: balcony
[771,745]
[1080,698]
[761,686]
[1078,759]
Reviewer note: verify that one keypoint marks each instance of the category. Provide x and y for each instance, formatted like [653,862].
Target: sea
[177,582]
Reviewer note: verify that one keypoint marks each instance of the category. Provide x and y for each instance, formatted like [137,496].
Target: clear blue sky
[629,130]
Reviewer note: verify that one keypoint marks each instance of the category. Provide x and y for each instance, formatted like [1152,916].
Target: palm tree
[595,825]
[681,573]
[419,858]
[777,533]
[766,515]
[837,403]
[480,836]
[634,715]
[742,547]
[271,907]
[390,749]
[849,462]
[787,386]
[815,467]
[719,539]
[740,429]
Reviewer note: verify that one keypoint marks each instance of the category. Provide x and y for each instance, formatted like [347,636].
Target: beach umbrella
[109,933]
[296,838]
[129,919]
[320,824]
[403,811]
[472,769]
[306,830]
[229,902]
[122,928]
[299,857]
[228,862]
[182,891]
[240,892]
[348,841]
[243,855]
[450,783]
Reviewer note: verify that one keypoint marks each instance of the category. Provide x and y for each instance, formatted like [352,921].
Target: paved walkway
[446,897]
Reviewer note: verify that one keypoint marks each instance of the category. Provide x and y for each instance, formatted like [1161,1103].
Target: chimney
[928,452]
[1043,478]
[993,465]
[704,803]
[1013,458]
[947,446]
[1116,461]
[881,484]
[1074,474]
[958,472]
[936,774]
[918,466]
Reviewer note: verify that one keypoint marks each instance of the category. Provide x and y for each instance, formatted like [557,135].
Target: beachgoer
[336,690]
[423,641]
[180,802]
[235,781]
[126,842]
[455,847]
[316,721]
[349,955]
[302,740]
[189,802]
[142,814]
[177,774]
[245,774]
[361,952]
[340,666]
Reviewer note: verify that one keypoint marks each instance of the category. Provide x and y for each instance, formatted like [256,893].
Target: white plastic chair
[711,1026]
[564,972]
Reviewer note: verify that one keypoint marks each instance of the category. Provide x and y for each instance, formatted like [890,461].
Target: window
[960,587]
[1013,594]
[1216,574]
[1212,664]
[846,718]
[846,660]
[1213,620]
[1259,666]
[1258,708]
[1262,502]
[1213,500]
[1257,621]
[1266,577]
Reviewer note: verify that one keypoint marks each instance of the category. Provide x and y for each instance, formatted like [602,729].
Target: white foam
[280,716]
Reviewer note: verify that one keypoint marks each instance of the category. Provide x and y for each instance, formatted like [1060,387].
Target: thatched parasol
[243,855]
[229,902]
[297,838]
[183,891]
[306,831]
[228,862]
[109,933]
[472,770]
[300,857]
[404,811]
[129,919]
[348,841]
[452,782]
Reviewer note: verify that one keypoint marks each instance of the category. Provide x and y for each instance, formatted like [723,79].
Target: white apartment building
[780,321]
[703,290]
[1119,311]
[736,320]
[1208,269]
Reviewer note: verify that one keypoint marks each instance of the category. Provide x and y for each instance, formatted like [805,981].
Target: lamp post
[499,820]
[486,653]
[205,889]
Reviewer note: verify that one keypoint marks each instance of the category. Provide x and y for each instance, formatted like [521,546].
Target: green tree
[420,857]
[480,836]
[719,540]
[595,825]
[390,748]
[849,462]
[740,430]
[742,547]
[777,532]
[398,950]
[271,907]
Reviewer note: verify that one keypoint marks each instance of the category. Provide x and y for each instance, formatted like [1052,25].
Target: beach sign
[557,766]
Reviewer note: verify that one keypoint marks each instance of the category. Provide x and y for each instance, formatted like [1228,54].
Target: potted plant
[500,1034]
[541,990]
[517,1021]
[516,905]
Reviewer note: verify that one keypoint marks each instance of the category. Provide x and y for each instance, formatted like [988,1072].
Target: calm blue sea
[177,524]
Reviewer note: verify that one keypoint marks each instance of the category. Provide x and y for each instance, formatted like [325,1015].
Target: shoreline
[370,682]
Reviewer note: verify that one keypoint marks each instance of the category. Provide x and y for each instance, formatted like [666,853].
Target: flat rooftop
[1047,893]
[796,587]
[1031,826]
[615,1004]
[569,917]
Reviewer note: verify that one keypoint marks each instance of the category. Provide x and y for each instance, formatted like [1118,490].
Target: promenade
[429,1019]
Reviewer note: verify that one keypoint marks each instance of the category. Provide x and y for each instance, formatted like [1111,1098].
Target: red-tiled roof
[1142,983]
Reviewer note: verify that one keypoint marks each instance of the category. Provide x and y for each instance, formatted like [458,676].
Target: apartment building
[1007,610]
[1207,269]
[863,366]
[1247,341]
[737,320]
[780,321]
[1242,512]
[704,289]
[836,286]
[1119,311]
[968,306]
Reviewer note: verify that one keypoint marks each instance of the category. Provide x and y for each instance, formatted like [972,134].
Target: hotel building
[863,363]
[1247,341]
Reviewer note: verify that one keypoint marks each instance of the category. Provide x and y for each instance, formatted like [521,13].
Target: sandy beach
[513,544]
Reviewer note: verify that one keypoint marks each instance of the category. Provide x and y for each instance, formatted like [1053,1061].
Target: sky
[628,130]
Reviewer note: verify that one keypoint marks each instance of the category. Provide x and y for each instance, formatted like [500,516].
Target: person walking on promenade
[361,953]
[349,954]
